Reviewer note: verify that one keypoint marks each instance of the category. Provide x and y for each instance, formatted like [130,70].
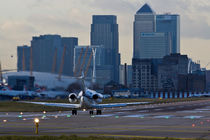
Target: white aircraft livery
[88,100]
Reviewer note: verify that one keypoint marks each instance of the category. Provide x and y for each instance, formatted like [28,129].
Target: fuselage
[86,103]
[88,98]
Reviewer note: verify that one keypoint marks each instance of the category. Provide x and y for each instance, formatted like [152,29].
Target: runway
[182,120]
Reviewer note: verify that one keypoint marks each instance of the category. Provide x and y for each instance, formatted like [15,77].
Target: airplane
[200,95]
[88,100]
[9,92]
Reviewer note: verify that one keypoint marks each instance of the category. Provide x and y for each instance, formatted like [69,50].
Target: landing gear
[91,112]
[98,112]
[74,112]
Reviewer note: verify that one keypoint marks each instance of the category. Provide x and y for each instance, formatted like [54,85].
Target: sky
[22,19]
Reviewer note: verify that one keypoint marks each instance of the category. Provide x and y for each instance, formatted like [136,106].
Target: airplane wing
[65,105]
[117,104]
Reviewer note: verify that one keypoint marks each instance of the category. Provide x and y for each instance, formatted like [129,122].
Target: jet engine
[97,97]
[72,97]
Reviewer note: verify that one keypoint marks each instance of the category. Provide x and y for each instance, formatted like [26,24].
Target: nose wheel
[98,112]
[91,112]
[74,112]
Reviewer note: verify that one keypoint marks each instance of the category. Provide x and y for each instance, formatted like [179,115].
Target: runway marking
[119,112]
[192,117]
[189,111]
[158,109]
[135,116]
[164,116]
[204,109]
[143,111]
[126,109]
[107,115]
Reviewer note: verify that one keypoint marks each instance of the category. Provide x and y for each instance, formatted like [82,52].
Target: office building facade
[172,66]
[47,54]
[145,74]
[192,82]
[170,23]
[125,75]
[104,31]
[144,23]
[153,45]
[23,56]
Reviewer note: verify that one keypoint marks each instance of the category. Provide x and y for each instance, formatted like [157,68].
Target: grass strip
[74,137]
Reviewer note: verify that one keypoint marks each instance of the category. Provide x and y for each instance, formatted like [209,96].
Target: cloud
[16,30]
[195,29]
[24,19]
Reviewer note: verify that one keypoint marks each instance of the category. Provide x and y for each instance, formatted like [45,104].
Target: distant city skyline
[22,19]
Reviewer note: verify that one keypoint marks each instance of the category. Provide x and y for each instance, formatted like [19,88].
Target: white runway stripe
[164,116]
[135,116]
[192,117]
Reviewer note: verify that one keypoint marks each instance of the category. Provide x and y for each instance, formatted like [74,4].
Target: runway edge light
[36,120]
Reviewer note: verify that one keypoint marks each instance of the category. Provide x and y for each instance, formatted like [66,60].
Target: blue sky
[22,19]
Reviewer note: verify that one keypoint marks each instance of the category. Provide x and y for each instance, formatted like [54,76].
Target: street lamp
[36,120]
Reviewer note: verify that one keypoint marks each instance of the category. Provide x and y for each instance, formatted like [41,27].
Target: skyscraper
[155,36]
[23,54]
[104,31]
[144,22]
[47,54]
[154,45]
[170,23]
[70,43]
[43,52]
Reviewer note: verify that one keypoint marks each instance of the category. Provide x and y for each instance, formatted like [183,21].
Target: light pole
[36,120]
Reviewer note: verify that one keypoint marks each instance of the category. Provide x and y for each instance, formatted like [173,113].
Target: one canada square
[104,31]
[155,35]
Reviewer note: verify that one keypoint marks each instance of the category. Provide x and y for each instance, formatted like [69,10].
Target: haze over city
[22,19]
[104,69]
